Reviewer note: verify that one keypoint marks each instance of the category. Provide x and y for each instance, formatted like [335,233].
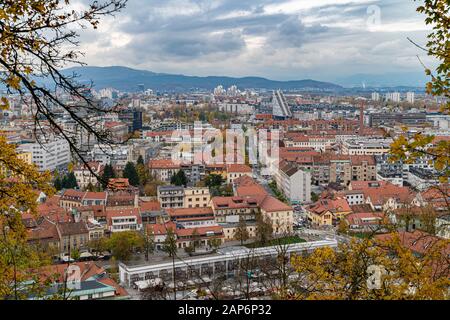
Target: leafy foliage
[170,243]
[123,244]
[438,46]
[241,234]
[179,179]
[346,273]
[108,173]
[130,172]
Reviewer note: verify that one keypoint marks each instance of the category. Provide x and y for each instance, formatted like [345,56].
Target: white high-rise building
[219,91]
[50,155]
[106,93]
[394,96]
[410,97]
[294,182]
[375,96]
[233,91]
[280,107]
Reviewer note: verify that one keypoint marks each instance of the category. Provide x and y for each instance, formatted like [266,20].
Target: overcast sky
[278,39]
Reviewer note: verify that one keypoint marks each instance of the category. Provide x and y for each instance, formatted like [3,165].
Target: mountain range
[127,79]
[391,79]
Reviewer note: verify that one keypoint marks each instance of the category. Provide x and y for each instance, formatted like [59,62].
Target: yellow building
[196,197]
[229,231]
[328,211]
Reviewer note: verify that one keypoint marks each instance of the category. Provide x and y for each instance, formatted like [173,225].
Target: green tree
[148,241]
[438,46]
[123,244]
[143,174]
[170,243]
[179,179]
[189,249]
[71,181]
[108,173]
[97,246]
[37,39]
[140,160]
[75,254]
[131,173]
[264,229]
[214,180]
[215,243]
[57,183]
[241,234]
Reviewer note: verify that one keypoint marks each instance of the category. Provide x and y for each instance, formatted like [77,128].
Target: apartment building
[328,211]
[192,217]
[294,182]
[48,155]
[229,210]
[73,236]
[317,142]
[84,176]
[321,170]
[163,169]
[117,156]
[196,197]
[124,220]
[235,171]
[171,196]
[344,169]
[366,146]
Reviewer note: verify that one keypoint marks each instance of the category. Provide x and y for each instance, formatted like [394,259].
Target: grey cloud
[211,37]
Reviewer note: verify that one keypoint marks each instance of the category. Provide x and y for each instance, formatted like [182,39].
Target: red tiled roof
[120,291]
[95,195]
[111,124]
[332,205]
[150,205]
[381,191]
[361,218]
[271,204]
[238,168]
[202,231]
[72,194]
[161,229]
[46,230]
[189,211]
[87,270]
[162,164]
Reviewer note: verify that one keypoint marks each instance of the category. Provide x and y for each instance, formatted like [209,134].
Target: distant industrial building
[377,119]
